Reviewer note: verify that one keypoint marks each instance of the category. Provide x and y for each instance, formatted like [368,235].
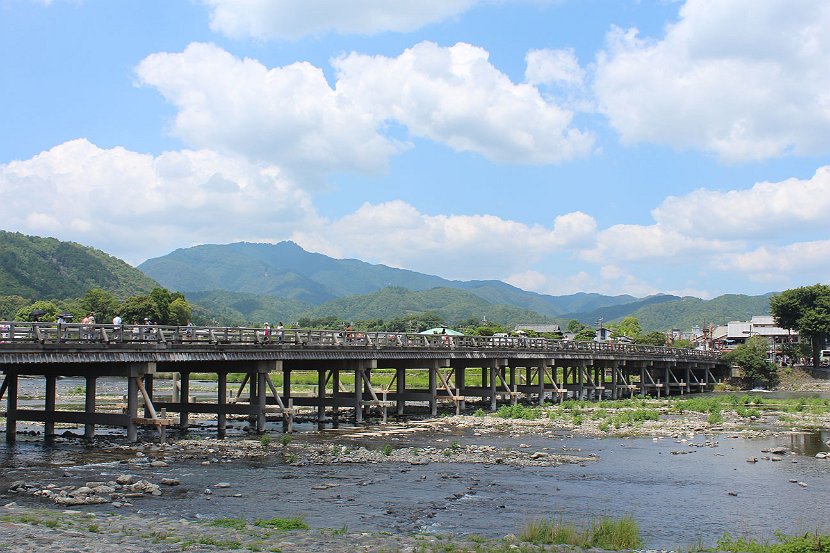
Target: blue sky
[621,147]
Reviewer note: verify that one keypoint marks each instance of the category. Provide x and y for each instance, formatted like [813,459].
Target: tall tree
[806,309]
[628,327]
[752,358]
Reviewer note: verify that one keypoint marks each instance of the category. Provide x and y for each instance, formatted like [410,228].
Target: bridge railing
[12,332]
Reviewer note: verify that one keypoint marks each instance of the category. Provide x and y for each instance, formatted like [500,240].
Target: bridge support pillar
[433,390]
[335,393]
[221,400]
[49,425]
[514,398]
[89,405]
[260,398]
[400,389]
[11,407]
[132,408]
[184,414]
[321,398]
[358,395]
[493,379]
[148,387]
[459,389]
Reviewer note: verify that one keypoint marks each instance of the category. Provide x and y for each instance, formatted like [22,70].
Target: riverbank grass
[603,533]
[808,543]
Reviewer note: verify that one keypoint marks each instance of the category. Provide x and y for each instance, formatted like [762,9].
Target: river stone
[779,450]
[169,482]
[222,485]
[124,479]
[159,464]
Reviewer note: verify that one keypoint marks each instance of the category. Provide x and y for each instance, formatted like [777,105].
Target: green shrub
[603,533]
[284,524]
[518,412]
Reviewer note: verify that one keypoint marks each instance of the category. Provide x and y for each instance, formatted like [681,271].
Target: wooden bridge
[458,369]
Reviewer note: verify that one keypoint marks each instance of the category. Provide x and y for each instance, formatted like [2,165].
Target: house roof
[539,327]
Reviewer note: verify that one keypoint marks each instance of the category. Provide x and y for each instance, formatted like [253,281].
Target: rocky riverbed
[123,494]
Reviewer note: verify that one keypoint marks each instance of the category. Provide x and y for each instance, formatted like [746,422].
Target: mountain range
[248,283]
[253,281]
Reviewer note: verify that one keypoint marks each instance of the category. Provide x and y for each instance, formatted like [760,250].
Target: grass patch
[715,417]
[604,533]
[282,524]
[518,412]
[234,523]
[808,543]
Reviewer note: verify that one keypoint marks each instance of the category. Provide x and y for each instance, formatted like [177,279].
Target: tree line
[160,306]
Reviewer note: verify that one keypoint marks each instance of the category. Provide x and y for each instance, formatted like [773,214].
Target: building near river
[729,336]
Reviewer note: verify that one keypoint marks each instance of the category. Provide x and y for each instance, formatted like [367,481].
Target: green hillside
[451,304]
[45,268]
[244,309]
[616,312]
[687,312]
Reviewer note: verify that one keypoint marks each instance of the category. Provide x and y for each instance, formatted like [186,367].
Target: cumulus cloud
[633,243]
[137,205]
[454,95]
[768,209]
[455,246]
[556,67]
[288,116]
[293,19]
[608,279]
[804,262]
[746,79]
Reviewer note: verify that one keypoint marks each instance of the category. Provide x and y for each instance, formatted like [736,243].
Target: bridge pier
[11,407]
[51,392]
[89,404]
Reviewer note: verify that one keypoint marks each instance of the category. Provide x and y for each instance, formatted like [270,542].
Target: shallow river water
[678,493]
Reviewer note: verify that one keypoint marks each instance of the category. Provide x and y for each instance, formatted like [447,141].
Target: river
[680,491]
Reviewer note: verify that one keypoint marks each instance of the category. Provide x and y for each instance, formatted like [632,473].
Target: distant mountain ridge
[248,279]
[246,283]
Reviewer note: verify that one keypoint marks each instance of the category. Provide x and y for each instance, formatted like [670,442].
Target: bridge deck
[456,368]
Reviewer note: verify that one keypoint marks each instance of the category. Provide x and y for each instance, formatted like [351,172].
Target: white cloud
[635,243]
[137,206]
[292,19]
[804,262]
[291,117]
[768,209]
[609,279]
[456,96]
[746,79]
[557,67]
[454,246]
[288,116]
